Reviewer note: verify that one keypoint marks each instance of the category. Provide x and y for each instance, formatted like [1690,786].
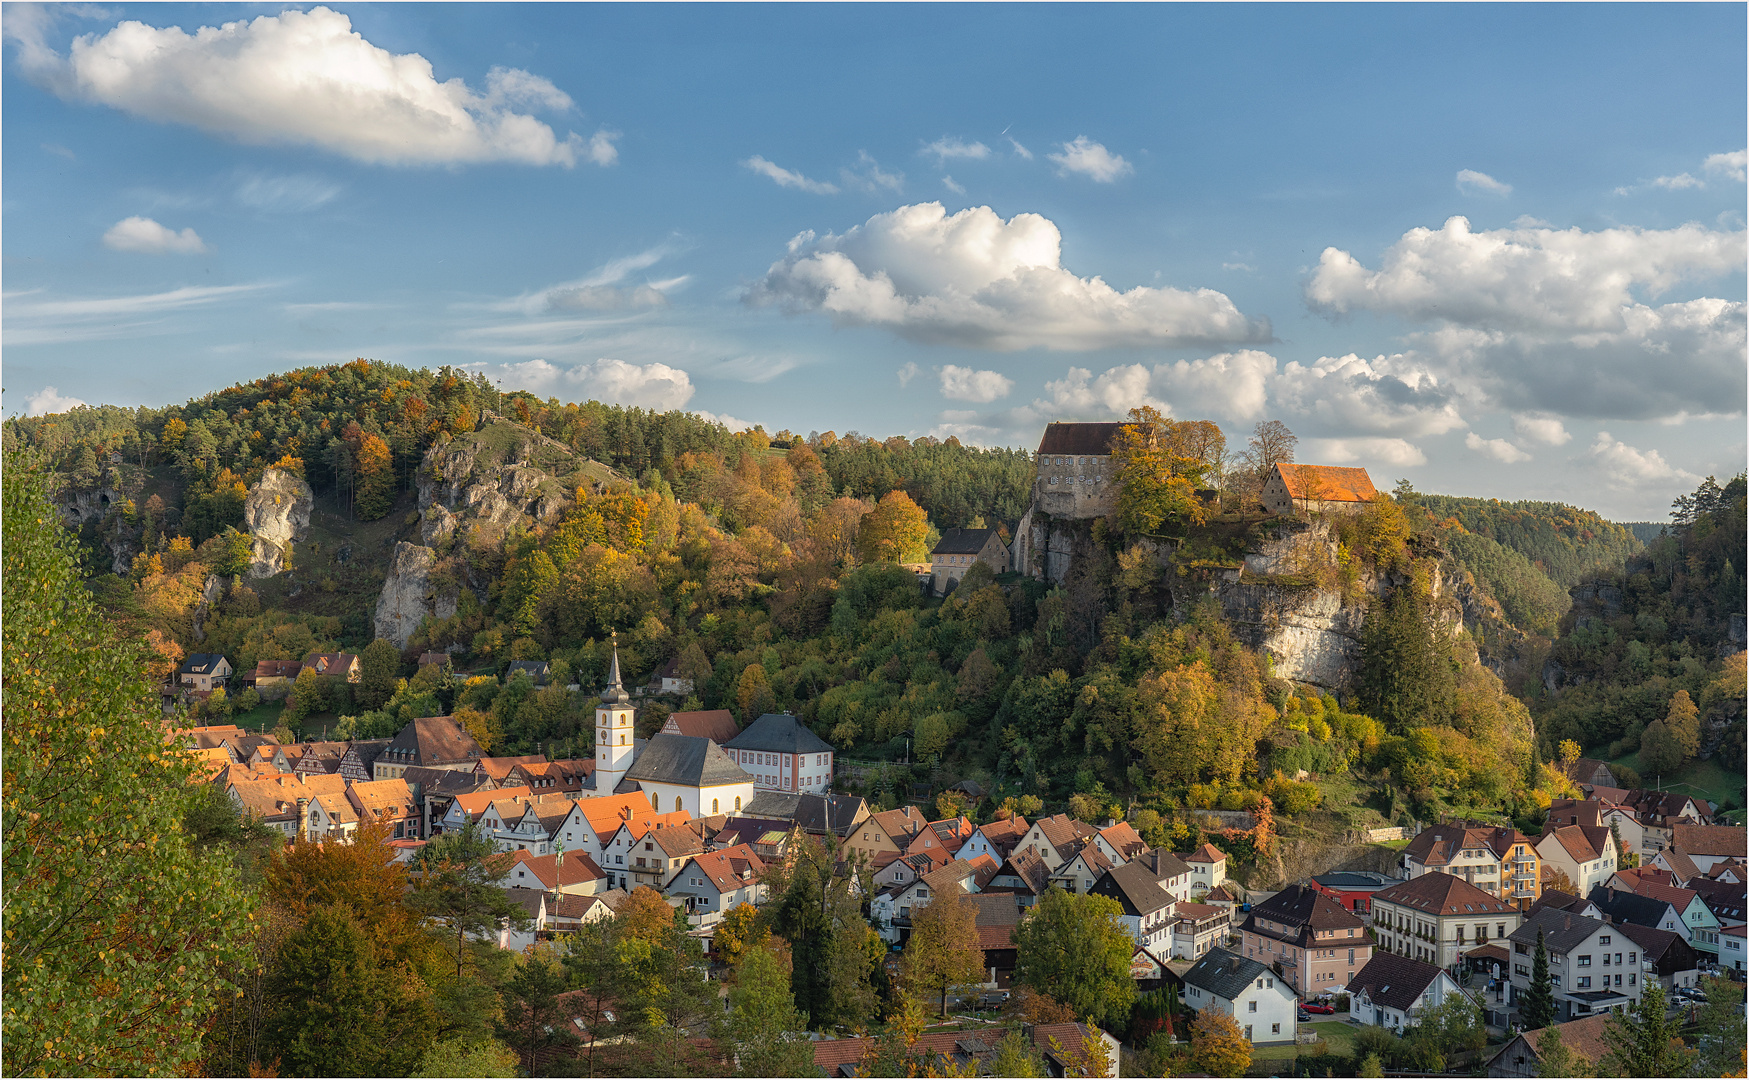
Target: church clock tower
[613,731]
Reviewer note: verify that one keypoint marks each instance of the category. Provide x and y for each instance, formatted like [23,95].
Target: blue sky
[1496,249]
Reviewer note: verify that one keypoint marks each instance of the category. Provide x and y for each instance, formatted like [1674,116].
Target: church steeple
[616,693]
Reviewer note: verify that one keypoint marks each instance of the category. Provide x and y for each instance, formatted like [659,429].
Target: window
[1584,982]
[1251,1006]
[1275,1029]
[676,804]
[1604,940]
[1247,1032]
[713,806]
[1585,960]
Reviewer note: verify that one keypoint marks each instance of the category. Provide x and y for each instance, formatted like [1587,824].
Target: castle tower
[613,731]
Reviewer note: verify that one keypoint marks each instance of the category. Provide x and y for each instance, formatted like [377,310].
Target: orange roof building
[1320,488]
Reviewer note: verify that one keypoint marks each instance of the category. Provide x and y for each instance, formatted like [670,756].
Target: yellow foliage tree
[894,531]
[1217,1045]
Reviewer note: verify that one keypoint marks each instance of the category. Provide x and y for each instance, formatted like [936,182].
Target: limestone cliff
[409,595]
[482,483]
[276,513]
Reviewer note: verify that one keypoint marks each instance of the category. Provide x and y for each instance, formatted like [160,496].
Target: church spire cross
[616,692]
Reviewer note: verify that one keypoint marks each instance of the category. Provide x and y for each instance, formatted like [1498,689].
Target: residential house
[1660,913]
[431,742]
[321,758]
[360,756]
[947,835]
[1665,956]
[203,672]
[961,549]
[712,883]
[436,659]
[1147,907]
[1584,854]
[1501,862]
[1725,901]
[717,725]
[997,916]
[1708,845]
[499,768]
[1259,1001]
[388,801]
[569,777]
[435,789]
[1659,813]
[1353,889]
[1518,1058]
[1025,874]
[837,816]
[1700,924]
[539,672]
[1593,966]
[282,802]
[889,831]
[1682,870]
[1313,942]
[906,869]
[1120,842]
[1437,918]
[892,908]
[470,808]
[593,823]
[1174,874]
[1078,874]
[1392,991]
[1731,951]
[1589,772]
[1056,839]
[768,837]
[526,822]
[783,755]
[340,665]
[1198,928]
[569,873]
[1318,489]
[668,680]
[276,672]
[1631,878]
[997,839]
[648,851]
[685,772]
[1208,868]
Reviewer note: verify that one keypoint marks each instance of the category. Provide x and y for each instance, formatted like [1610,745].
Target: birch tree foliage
[117,933]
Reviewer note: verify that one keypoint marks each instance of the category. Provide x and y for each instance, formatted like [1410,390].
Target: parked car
[1305,1017]
[1324,1010]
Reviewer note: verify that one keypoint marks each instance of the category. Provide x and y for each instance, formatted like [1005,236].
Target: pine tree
[1538,1008]
[1644,1041]
[1407,677]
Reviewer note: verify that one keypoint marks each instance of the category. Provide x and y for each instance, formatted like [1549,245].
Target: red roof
[1326,483]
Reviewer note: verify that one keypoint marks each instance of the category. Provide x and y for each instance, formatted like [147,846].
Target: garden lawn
[263,717]
[1338,1034]
[1707,779]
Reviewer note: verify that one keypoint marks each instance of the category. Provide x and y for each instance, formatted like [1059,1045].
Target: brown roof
[1326,483]
[901,824]
[1396,982]
[575,868]
[678,840]
[1030,867]
[1682,867]
[1718,841]
[435,740]
[997,916]
[1063,833]
[1441,894]
[474,803]
[1092,858]
[1196,912]
[498,768]
[729,868]
[383,798]
[438,658]
[1095,439]
[1438,845]
[1124,838]
[1634,876]
[717,725]
[843,1057]
[1302,908]
[331,663]
[1583,843]
[1677,898]
[278,669]
[1208,853]
[1003,835]
[1584,1036]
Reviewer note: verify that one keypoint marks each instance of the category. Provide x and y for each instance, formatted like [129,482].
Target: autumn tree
[1217,1045]
[753,696]
[943,950]
[1683,720]
[1157,473]
[894,531]
[1271,444]
[667,994]
[1074,947]
[1016,1057]
[739,930]
[376,478]
[118,933]
[1555,1059]
[457,884]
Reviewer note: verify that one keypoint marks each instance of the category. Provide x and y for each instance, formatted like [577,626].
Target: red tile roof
[1327,483]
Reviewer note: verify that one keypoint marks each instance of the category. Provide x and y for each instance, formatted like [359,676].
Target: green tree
[1016,1057]
[668,997]
[1721,1031]
[1660,750]
[1538,1010]
[1370,1065]
[467,1057]
[1554,1058]
[376,478]
[1451,1027]
[309,695]
[456,884]
[380,668]
[1643,1041]
[1075,948]
[1157,472]
[1407,675]
[815,906]
[766,1033]
[119,933]
[534,1018]
[592,963]
[943,951]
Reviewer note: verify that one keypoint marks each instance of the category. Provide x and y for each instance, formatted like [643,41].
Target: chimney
[303,825]
[1567,923]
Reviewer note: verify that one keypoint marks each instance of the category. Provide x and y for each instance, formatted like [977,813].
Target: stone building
[1320,489]
[960,550]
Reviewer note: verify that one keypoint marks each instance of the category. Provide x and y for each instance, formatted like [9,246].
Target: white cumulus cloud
[1678,182]
[1471,182]
[1734,165]
[1541,428]
[49,400]
[1363,451]
[947,149]
[1625,467]
[308,78]
[1232,385]
[142,234]
[649,386]
[1387,395]
[968,384]
[733,423]
[1090,159]
[975,280]
[786,178]
[1498,449]
[601,149]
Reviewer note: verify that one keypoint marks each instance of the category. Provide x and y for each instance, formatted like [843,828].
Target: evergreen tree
[816,908]
[457,884]
[592,962]
[1538,1008]
[534,1019]
[1644,1041]
[380,667]
[1407,675]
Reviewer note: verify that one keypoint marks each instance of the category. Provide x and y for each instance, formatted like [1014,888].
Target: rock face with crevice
[503,475]
[276,514]
[409,596]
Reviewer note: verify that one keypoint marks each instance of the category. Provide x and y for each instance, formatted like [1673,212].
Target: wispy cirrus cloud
[788,178]
[1471,182]
[34,318]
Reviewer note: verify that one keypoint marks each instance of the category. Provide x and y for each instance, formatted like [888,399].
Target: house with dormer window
[1259,1001]
[712,883]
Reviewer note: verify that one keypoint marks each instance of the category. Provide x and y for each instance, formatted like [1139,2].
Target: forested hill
[1564,542]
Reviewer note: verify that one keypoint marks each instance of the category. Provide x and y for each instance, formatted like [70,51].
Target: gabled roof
[382,798]
[329,663]
[1717,841]
[1655,944]
[1622,906]
[1326,483]
[606,813]
[1029,866]
[728,869]
[950,875]
[1224,974]
[1134,887]
[1162,864]
[432,781]
[1304,906]
[1441,895]
[997,916]
[498,768]
[1676,898]
[1003,835]
[836,814]
[1557,900]
[434,740]
[686,760]
[1208,853]
[555,871]
[1093,859]
[902,824]
[1681,866]
[1562,930]
[1440,844]
[1582,843]
[1124,839]
[717,725]
[1584,1036]
[1063,833]
[278,669]
[474,803]
[1396,982]
[201,663]
[963,541]
[1078,438]
[1725,899]
[1574,812]
[779,733]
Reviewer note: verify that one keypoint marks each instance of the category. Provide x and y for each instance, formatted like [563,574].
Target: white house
[1593,966]
[1731,952]
[1147,907]
[1261,1004]
[684,772]
[780,754]
[713,883]
[1208,868]
[1391,991]
[592,823]
[1199,928]
[1584,853]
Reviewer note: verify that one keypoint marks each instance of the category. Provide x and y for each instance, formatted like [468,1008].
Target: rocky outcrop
[210,592]
[276,514]
[504,474]
[409,596]
[87,506]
